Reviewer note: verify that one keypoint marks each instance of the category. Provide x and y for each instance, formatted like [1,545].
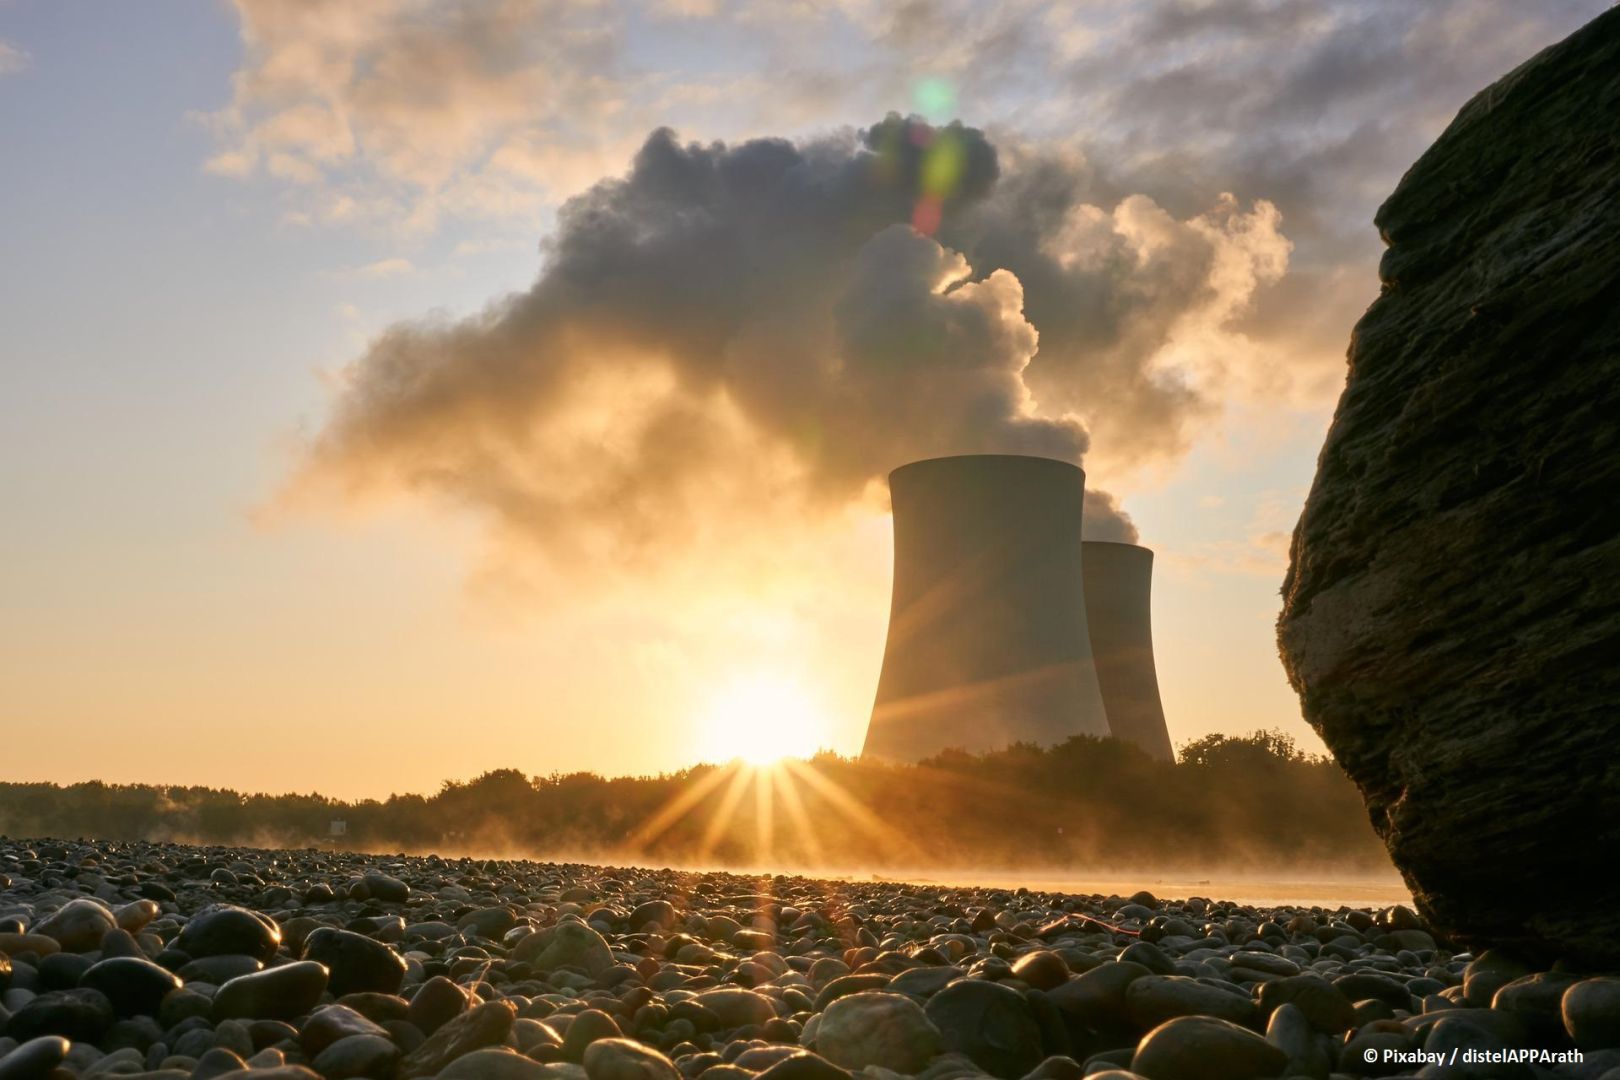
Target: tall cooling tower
[1119,580]
[988,642]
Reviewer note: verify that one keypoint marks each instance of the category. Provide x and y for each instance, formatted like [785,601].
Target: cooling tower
[1119,580]
[988,642]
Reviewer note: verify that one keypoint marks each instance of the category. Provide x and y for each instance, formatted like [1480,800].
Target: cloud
[1137,310]
[378,270]
[414,109]
[12,59]
[405,115]
[1172,219]
[1262,550]
[759,331]
[1316,107]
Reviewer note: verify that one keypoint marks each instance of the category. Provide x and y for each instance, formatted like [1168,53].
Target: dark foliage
[1089,802]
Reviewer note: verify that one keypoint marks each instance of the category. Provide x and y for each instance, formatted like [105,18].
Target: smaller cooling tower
[1119,581]
[988,642]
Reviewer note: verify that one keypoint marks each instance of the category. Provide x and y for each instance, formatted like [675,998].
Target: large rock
[1450,614]
[626,1059]
[78,925]
[133,985]
[736,1007]
[1205,1048]
[34,1058]
[76,1015]
[992,1024]
[1151,1001]
[228,930]
[278,993]
[480,1027]
[876,1028]
[568,944]
[1592,1013]
[357,963]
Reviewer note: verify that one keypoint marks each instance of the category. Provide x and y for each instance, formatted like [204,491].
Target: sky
[394,391]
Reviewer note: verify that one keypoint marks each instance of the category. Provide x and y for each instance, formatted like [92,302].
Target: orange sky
[228,556]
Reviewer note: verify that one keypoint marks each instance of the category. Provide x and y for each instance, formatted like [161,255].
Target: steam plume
[768,322]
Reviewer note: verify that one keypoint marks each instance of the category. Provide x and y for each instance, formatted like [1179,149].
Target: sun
[760,718]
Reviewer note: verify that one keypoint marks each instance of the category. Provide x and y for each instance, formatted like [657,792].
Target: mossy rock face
[1451,616]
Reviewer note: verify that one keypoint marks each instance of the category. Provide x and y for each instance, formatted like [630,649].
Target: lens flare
[934,98]
[942,165]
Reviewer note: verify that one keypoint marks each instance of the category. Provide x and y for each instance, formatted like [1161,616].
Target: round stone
[1289,1031]
[923,982]
[992,1024]
[874,1027]
[221,969]
[587,1026]
[736,1007]
[1591,1010]
[625,1059]
[1374,986]
[1152,1000]
[356,1056]
[357,963]
[1264,962]
[277,993]
[1205,1048]
[1323,1004]
[378,1008]
[1489,972]
[1095,999]
[1042,969]
[760,1058]
[490,922]
[77,926]
[850,984]
[35,1059]
[435,1002]
[825,969]
[1150,956]
[569,944]
[1057,1067]
[479,1027]
[76,1015]
[499,1063]
[182,1005]
[133,916]
[13,942]
[217,1061]
[330,1023]
[121,942]
[659,913]
[804,1066]
[385,887]
[1538,1000]
[132,985]
[222,929]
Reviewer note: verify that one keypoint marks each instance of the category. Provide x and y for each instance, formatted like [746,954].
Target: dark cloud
[769,324]
[1315,107]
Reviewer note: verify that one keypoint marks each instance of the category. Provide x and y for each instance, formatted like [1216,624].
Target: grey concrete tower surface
[1119,584]
[988,642]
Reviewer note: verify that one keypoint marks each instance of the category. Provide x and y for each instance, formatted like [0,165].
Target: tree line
[1088,803]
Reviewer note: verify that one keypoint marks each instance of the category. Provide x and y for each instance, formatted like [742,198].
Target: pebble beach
[169,961]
